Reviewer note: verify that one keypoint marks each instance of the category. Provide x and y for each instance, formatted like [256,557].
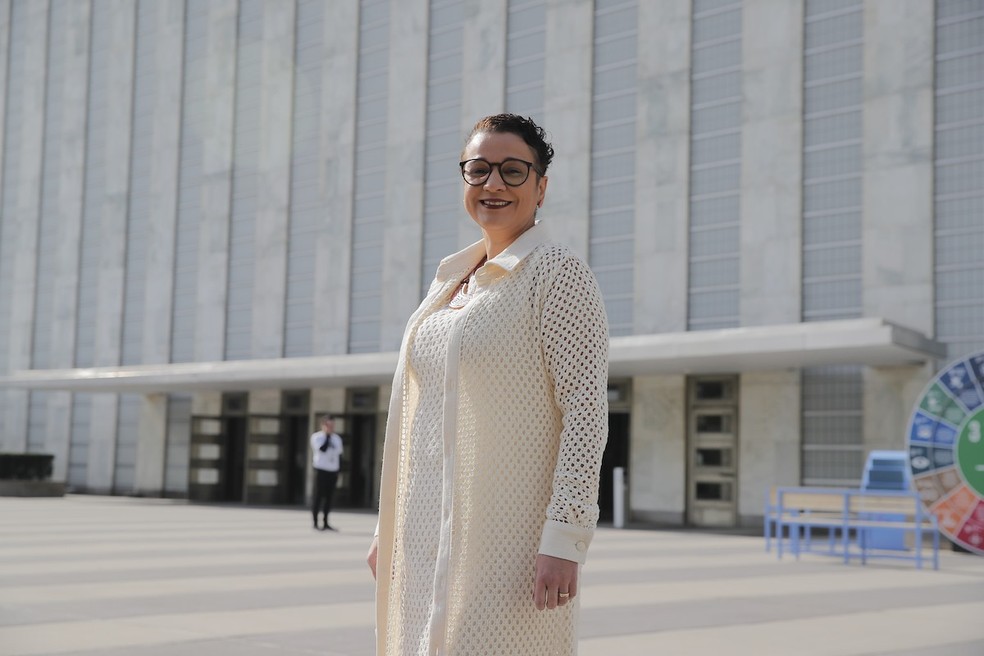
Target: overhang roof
[872,342]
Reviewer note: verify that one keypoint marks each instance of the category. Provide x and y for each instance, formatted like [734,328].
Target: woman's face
[498,208]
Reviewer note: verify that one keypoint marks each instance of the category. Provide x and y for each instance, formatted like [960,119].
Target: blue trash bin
[886,470]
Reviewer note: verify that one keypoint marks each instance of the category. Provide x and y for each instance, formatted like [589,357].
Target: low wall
[31,489]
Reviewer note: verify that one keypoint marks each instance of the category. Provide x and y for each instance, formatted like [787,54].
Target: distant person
[327,447]
[497,424]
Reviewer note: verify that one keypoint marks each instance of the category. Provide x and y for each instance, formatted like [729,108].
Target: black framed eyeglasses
[513,172]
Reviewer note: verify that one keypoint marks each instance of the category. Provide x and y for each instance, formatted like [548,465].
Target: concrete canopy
[872,342]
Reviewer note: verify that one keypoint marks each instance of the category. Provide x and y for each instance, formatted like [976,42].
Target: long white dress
[496,429]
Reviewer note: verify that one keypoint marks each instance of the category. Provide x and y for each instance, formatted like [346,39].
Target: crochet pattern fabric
[502,424]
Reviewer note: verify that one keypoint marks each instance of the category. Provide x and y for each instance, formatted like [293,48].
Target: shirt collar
[464,260]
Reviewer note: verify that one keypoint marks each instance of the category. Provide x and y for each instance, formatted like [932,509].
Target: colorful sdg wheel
[946,450]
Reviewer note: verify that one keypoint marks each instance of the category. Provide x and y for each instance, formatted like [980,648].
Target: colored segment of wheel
[946,450]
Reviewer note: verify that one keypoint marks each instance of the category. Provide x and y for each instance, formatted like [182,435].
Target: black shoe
[329,527]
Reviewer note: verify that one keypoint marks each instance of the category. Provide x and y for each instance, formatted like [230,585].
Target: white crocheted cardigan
[525,422]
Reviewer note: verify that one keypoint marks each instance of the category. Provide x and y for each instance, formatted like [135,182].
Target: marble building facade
[217,216]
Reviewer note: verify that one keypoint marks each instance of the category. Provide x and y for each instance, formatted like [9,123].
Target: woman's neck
[495,243]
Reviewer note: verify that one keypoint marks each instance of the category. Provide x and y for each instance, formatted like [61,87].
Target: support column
[768,438]
[273,178]
[567,111]
[65,259]
[333,263]
[151,440]
[771,162]
[658,470]
[22,227]
[663,157]
[407,118]
[889,396]
[897,226]
[216,188]
[112,236]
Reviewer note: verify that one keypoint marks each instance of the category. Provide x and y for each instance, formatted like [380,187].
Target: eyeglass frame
[529,166]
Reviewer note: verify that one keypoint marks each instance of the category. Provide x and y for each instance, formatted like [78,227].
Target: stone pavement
[113,576]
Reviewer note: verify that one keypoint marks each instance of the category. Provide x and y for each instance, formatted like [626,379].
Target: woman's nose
[495,181]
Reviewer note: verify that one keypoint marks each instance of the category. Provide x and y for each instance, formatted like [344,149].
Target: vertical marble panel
[112,238]
[161,224]
[5,9]
[4,55]
[567,111]
[658,469]
[897,217]
[483,78]
[771,162]
[889,396]
[217,140]
[152,432]
[65,259]
[206,404]
[768,438]
[116,149]
[273,172]
[23,226]
[407,121]
[336,178]
[662,161]
[264,402]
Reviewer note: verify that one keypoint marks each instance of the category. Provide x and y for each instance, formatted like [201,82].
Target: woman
[497,424]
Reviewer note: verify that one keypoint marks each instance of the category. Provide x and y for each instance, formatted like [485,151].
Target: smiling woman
[497,424]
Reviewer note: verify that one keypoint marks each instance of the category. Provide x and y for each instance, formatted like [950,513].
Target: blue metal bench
[848,516]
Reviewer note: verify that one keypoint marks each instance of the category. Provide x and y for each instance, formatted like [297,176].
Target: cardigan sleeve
[575,343]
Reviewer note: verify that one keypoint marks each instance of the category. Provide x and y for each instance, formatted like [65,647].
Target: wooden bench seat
[849,516]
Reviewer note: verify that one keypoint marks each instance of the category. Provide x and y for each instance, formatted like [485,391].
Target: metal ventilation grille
[365,306]
[832,180]
[526,33]
[613,119]
[959,172]
[715,166]
[189,184]
[246,153]
[307,215]
[442,184]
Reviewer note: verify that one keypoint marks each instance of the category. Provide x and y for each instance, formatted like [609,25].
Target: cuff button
[580,546]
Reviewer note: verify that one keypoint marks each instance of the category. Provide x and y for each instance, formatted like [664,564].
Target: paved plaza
[114,576]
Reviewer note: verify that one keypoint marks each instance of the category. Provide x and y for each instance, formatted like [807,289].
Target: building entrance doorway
[297,434]
[616,455]
[712,451]
[355,479]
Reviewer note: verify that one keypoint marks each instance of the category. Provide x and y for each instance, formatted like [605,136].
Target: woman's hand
[554,578]
[371,557]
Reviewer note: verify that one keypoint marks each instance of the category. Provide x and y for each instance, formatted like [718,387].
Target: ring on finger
[563,595]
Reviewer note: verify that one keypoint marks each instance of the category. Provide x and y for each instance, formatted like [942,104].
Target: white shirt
[329,459]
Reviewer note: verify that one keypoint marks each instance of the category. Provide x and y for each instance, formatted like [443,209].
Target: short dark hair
[327,417]
[523,127]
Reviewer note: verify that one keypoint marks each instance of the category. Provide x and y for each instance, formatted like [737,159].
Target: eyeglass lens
[513,172]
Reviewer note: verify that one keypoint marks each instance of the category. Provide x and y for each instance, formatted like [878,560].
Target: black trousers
[324,489]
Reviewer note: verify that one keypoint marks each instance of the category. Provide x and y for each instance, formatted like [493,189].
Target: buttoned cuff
[565,541]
